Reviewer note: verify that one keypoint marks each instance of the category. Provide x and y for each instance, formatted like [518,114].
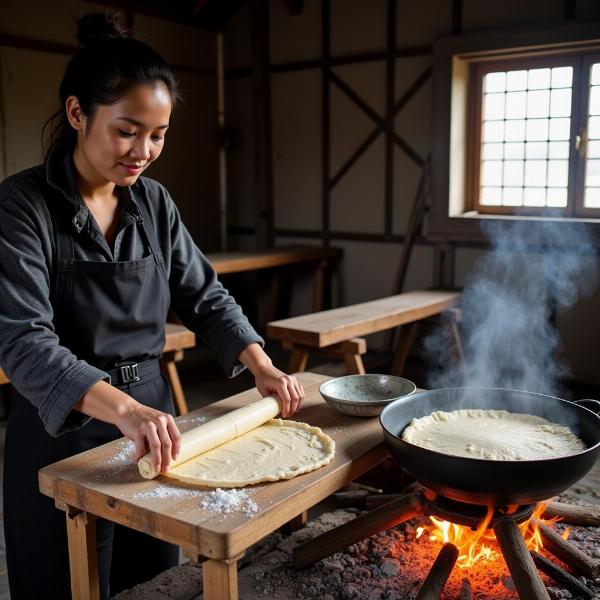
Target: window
[535,142]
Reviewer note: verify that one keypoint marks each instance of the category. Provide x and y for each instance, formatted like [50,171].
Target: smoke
[508,337]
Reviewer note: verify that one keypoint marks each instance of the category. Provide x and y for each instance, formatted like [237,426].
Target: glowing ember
[476,545]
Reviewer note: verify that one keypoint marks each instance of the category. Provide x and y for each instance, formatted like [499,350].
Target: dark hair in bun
[107,65]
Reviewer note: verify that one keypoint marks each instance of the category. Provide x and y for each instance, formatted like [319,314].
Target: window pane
[512,196]
[491,174]
[537,150]
[592,198]
[514,150]
[491,196]
[516,80]
[492,151]
[495,82]
[558,173]
[514,131]
[515,105]
[535,173]
[513,172]
[560,103]
[562,77]
[594,128]
[493,106]
[537,129]
[558,150]
[595,100]
[538,79]
[593,150]
[534,196]
[493,131]
[538,103]
[595,79]
[557,197]
[560,129]
[592,173]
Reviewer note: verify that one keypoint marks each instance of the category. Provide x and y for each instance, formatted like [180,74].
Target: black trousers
[35,530]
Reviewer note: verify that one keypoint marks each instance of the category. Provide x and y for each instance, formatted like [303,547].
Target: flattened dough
[276,450]
[492,435]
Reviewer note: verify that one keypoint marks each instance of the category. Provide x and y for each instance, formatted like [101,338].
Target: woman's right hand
[151,430]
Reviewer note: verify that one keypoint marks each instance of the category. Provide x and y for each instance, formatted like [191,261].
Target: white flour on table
[227,501]
[164,491]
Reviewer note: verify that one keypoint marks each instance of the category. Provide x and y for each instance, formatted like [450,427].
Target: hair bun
[95,27]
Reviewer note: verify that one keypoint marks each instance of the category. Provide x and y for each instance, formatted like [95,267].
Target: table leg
[219,580]
[83,559]
[298,522]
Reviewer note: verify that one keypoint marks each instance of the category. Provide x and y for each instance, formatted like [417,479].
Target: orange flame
[476,545]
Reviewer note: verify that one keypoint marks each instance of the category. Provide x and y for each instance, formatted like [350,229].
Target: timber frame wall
[444,247]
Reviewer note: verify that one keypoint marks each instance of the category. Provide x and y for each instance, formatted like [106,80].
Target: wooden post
[440,571]
[83,558]
[520,563]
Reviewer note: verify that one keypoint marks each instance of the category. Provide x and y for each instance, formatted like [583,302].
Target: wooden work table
[319,256]
[88,486]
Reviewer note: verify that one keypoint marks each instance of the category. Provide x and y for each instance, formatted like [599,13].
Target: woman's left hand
[271,381]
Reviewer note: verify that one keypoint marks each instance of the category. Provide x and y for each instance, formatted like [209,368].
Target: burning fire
[476,545]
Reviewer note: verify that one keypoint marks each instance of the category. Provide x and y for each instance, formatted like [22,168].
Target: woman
[92,256]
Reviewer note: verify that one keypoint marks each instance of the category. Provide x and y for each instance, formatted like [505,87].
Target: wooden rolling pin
[216,432]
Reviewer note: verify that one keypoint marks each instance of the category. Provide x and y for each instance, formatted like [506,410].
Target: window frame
[451,219]
[479,70]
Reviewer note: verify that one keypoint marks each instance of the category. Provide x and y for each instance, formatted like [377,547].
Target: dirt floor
[388,566]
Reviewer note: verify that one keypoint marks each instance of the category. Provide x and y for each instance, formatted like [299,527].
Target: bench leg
[405,342]
[354,364]
[83,559]
[170,370]
[219,580]
[298,361]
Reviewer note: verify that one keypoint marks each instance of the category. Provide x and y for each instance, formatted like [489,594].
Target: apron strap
[148,229]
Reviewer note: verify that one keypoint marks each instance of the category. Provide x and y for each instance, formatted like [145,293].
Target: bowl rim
[367,402]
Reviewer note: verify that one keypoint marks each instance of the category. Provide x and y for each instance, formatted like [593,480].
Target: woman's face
[119,142]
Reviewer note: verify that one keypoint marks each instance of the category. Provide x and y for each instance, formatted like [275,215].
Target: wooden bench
[336,332]
[320,257]
[177,339]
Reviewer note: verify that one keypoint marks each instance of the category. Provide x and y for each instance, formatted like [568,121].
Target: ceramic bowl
[364,395]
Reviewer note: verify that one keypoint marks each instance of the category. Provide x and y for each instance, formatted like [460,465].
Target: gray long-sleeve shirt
[42,370]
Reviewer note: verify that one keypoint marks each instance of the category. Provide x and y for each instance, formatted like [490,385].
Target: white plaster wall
[29,81]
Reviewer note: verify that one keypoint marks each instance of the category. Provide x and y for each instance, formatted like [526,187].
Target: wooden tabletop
[339,324]
[97,483]
[237,262]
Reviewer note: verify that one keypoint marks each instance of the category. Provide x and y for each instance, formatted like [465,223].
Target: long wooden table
[177,339]
[319,256]
[334,331]
[88,486]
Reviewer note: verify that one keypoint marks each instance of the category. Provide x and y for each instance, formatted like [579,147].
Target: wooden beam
[390,94]
[261,108]
[325,120]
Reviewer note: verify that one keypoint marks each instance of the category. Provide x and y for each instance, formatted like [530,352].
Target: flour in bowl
[492,435]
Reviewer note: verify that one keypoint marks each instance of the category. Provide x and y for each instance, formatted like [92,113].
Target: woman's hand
[151,430]
[271,381]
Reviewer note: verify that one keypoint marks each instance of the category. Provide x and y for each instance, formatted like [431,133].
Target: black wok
[480,481]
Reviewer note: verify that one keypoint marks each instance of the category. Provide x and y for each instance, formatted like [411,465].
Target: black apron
[112,315]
